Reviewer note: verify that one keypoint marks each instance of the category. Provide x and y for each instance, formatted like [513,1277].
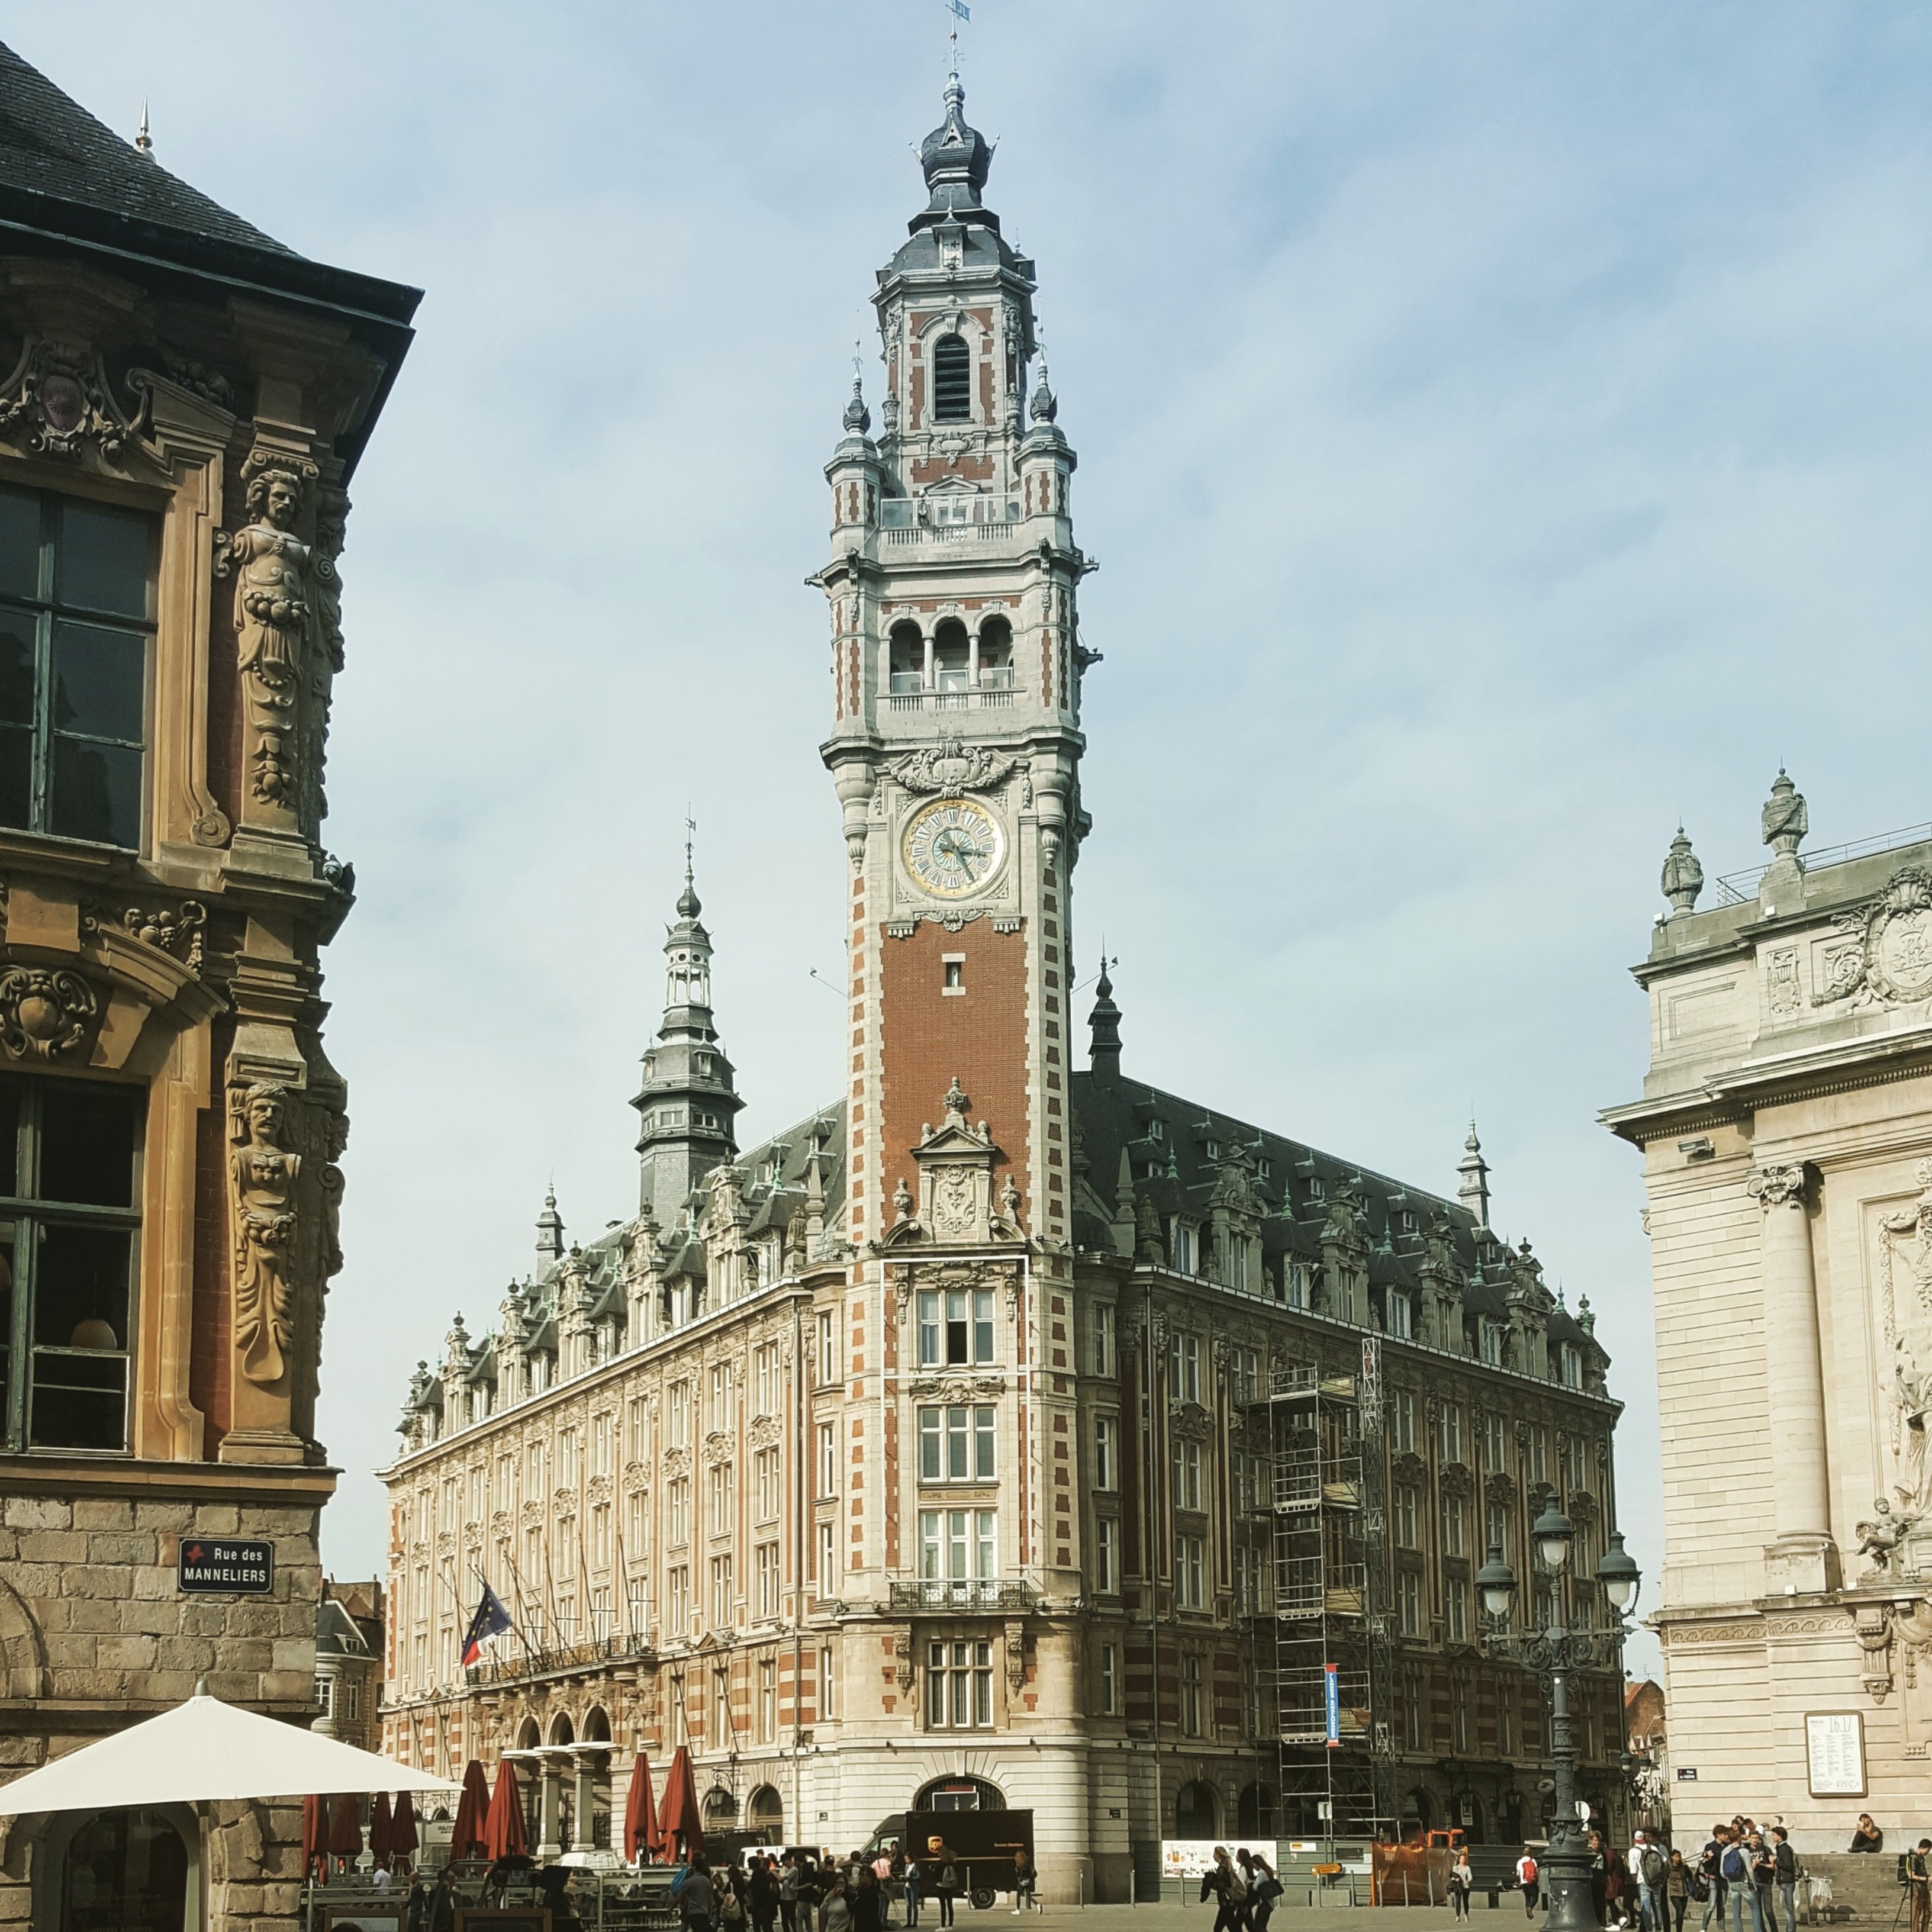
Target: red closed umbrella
[678,1818]
[466,1837]
[640,1816]
[503,1829]
[403,1839]
[315,1836]
[382,1831]
[345,1830]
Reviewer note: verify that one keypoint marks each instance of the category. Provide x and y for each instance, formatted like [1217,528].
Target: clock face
[953,847]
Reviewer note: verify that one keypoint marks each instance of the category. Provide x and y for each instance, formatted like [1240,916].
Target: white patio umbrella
[206,1749]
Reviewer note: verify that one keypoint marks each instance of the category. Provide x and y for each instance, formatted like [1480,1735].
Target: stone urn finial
[1784,819]
[1683,876]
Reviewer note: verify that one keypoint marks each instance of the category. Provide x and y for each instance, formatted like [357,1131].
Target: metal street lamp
[1558,1651]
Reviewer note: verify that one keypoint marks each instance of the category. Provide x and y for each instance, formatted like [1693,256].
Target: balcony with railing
[518,1666]
[952,1594]
[951,689]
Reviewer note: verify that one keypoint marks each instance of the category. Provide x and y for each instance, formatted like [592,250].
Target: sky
[1502,428]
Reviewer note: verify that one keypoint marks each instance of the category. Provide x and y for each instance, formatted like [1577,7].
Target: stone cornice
[294,1484]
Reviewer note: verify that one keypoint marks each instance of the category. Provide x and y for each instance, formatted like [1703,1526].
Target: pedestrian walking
[697,1897]
[1530,1879]
[1024,1883]
[788,1878]
[764,1898]
[947,1889]
[1224,1882]
[1652,1870]
[1677,1879]
[1461,1882]
[835,1912]
[1600,1877]
[1263,1889]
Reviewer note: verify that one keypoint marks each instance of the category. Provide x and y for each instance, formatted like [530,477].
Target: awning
[206,1750]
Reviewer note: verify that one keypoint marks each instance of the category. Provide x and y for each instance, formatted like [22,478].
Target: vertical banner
[1331,1697]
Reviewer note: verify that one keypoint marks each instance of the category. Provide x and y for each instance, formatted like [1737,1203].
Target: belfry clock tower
[956,740]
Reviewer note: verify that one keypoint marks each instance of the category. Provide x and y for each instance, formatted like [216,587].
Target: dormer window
[1157,1130]
[1214,1148]
[952,380]
[1317,1193]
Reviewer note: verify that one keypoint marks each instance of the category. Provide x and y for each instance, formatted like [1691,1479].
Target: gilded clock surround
[953,848]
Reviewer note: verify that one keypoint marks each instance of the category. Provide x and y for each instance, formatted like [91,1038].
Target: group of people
[855,1894]
[1742,1870]
[1245,1887]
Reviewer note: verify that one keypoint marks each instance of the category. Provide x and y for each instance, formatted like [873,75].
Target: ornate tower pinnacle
[1104,1055]
[1472,1187]
[689,1101]
[550,1230]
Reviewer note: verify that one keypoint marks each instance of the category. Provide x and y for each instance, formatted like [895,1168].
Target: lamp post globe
[1495,1584]
[1553,1535]
[1619,1575]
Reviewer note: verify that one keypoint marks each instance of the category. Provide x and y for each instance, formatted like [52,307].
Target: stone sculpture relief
[57,395]
[264,1171]
[1905,1312]
[1889,962]
[274,621]
[44,1015]
[951,768]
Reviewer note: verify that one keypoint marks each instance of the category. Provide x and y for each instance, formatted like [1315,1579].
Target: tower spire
[688,1100]
[144,140]
[1104,1056]
[550,1230]
[1472,1187]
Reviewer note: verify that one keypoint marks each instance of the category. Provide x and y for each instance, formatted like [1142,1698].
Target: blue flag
[491,1620]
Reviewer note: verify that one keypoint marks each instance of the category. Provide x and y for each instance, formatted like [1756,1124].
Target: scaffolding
[1323,1649]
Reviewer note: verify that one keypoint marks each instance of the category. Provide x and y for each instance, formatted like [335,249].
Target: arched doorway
[1195,1812]
[559,1791]
[721,1809]
[1467,1809]
[961,1793]
[1255,1811]
[1417,1812]
[765,1815]
[125,1868]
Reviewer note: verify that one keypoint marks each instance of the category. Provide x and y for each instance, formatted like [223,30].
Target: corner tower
[955,741]
[687,1105]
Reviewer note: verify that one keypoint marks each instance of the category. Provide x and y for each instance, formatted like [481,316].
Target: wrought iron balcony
[955,1593]
[515,1666]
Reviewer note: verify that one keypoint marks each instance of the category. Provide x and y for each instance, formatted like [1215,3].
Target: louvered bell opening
[952,381]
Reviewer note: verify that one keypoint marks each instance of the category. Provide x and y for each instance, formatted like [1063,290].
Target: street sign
[1331,1697]
[213,1566]
[1687,1774]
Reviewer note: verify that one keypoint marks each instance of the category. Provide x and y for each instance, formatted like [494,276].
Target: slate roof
[1178,1168]
[51,145]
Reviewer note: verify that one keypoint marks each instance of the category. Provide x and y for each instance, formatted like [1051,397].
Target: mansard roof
[1179,1166]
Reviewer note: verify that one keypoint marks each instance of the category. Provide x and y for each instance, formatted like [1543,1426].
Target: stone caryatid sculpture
[265,1170]
[1683,876]
[275,624]
[1784,819]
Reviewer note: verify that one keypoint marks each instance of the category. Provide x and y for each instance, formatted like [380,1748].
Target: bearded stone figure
[274,618]
[265,1172]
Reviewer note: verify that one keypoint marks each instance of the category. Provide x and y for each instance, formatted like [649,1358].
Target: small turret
[549,1232]
[1472,1185]
[1104,1056]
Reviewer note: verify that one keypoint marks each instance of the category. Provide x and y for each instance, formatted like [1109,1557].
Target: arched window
[125,1868]
[951,655]
[961,1792]
[996,655]
[908,657]
[952,380]
[1194,1811]
[1257,1812]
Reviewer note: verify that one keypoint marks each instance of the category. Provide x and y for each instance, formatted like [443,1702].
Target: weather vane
[960,11]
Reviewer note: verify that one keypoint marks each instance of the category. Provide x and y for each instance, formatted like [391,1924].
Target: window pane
[98,676]
[17,667]
[16,767]
[87,1143]
[6,1318]
[19,544]
[80,1329]
[103,559]
[97,792]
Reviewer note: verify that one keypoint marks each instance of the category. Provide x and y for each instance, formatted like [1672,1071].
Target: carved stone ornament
[1777,1186]
[951,768]
[57,397]
[265,1172]
[1500,1489]
[763,1432]
[1457,1479]
[1190,1421]
[176,931]
[1888,962]
[676,1461]
[1872,1622]
[44,1015]
[955,1203]
[275,616]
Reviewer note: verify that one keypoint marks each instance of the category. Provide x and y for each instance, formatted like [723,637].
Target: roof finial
[1683,877]
[1044,406]
[688,905]
[858,417]
[145,141]
[1104,1055]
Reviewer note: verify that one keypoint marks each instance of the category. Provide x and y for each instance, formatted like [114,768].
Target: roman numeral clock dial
[953,848]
